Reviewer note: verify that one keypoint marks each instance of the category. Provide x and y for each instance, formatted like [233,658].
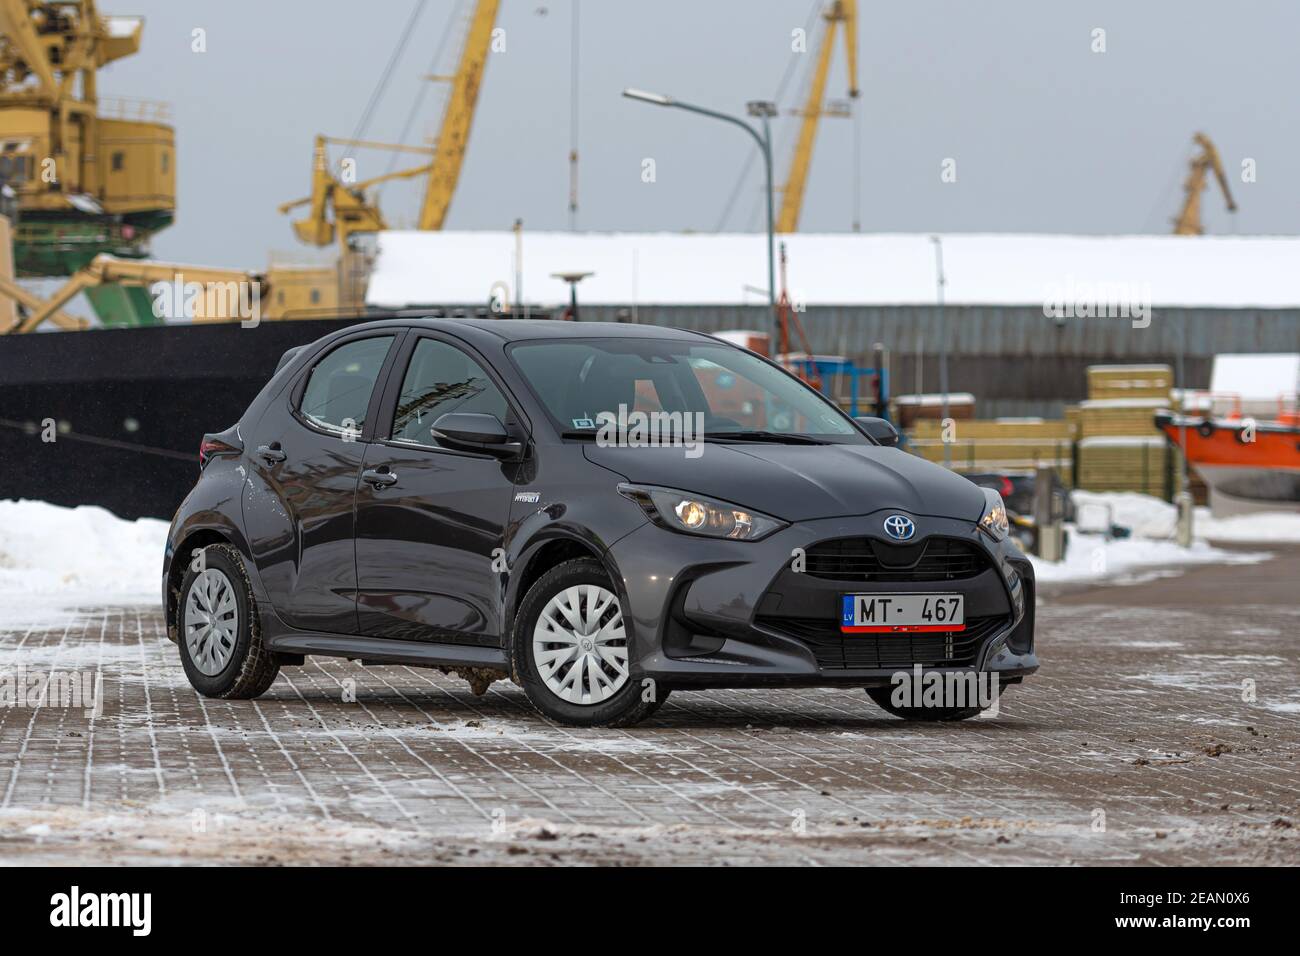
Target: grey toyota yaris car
[602,513]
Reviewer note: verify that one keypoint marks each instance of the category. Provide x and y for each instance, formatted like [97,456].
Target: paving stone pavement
[1132,745]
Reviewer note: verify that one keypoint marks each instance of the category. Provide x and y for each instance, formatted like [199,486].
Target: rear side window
[441,379]
[338,391]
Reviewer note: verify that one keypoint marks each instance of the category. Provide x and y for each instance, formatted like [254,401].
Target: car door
[432,519]
[305,456]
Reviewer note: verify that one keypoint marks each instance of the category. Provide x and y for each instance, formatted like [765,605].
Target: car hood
[802,482]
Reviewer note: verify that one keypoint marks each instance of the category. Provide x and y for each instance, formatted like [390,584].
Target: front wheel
[572,654]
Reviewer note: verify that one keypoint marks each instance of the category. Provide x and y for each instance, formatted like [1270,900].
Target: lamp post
[762,110]
[941,281]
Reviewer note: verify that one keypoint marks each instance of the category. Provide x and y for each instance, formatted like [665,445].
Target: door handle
[271,453]
[379,477]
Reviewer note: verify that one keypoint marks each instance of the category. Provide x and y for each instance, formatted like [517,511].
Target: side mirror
[880,430]
[474,431]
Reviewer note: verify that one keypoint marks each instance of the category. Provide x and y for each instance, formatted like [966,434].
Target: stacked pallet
[913,408]
[999,445]
[1111,417]
[1124,463]
[1129,381]
[1120,448]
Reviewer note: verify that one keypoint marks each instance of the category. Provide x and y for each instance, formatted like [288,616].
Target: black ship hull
[128,407]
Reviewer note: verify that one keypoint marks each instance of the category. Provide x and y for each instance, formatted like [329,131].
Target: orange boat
[1248,464]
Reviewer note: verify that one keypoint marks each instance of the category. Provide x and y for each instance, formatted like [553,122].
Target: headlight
[696,514]
[994,519]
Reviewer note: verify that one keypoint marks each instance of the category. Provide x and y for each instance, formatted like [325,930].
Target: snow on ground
[1155,518]
[55,555]
[1090,557]
[1151,550]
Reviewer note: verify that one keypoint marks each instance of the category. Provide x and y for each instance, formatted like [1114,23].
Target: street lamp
[573,278]
[760,109]
[941,281]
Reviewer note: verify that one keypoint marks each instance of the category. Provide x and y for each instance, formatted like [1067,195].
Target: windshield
[731,393]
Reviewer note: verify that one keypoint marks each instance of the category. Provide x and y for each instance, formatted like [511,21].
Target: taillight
[1007,488]
[214,445]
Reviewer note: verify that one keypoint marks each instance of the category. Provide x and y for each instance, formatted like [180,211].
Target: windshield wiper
[758,435]
[578,433]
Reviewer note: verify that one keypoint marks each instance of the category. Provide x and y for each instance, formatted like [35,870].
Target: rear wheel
[572,654]
[220,640]
[882,697]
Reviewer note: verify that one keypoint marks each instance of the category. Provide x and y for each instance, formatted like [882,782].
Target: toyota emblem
[900,527]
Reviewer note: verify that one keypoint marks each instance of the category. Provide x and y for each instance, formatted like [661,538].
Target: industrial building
[1156,295]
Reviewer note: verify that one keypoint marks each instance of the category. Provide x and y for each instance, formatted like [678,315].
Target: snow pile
[1278,528]
[1154,518]
[86,553]
[1152,524]
[1090,557]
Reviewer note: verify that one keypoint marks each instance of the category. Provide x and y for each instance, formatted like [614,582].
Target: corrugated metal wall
[1014,359]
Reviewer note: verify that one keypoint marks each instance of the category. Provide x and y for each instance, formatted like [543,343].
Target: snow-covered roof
[426,268]
[931,399]
[1256,376]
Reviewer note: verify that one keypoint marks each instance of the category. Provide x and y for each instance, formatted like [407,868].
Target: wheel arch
[200,536]
[541,556]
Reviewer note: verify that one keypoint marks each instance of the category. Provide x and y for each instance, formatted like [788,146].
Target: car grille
[869,559]
[835,650]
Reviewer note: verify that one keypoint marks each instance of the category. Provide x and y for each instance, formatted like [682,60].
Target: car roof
[519,330]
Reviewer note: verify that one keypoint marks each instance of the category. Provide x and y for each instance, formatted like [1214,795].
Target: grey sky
[1048,136]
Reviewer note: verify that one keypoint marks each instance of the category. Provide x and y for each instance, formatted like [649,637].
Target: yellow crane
[88,174]
[218,291]
[337,209]
[1207,160]
[839,14]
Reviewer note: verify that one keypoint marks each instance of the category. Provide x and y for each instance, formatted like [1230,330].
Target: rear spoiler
[289,356]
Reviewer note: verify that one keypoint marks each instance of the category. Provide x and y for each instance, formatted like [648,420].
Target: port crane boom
[336,209]
[458,118]
[352,210]
[840,13]
[1188,222]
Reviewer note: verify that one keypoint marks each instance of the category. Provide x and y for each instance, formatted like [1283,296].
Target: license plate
[888,613]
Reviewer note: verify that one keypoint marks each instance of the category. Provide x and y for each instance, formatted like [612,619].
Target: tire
[597,695]
[881,695]
[1205,429]
[227,659]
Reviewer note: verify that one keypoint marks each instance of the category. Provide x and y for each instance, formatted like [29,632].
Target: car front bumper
[714,613]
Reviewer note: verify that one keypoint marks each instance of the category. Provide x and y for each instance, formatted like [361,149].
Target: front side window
[338,392]
[441,379]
